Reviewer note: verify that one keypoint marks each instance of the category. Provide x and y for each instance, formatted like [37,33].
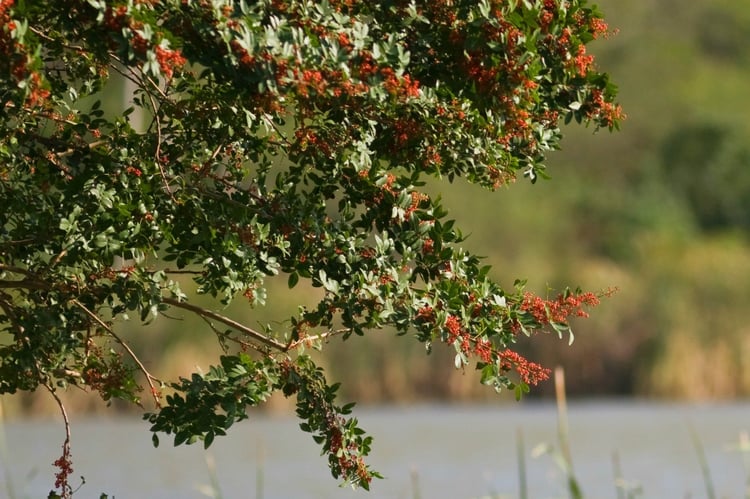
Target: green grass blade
[574,488]
[705,470]
[521,456]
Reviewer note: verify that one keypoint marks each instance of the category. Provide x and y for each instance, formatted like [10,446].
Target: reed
[574,489]
[414,475]
[523,487]
[743,447]
[705,470]
[259,472]
[213,489]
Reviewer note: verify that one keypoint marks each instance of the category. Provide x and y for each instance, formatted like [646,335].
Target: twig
[278,131]
[48,116]
[149,378]
[129,75]
[157,87]
[59,257]
[70,151]
[226,320]
[217,151]
[322,336]
[219,334]
[226,199]
[7,307]
[48,38]
[157,121]
[191,272]
[224,337]
[139,81]
[20,241]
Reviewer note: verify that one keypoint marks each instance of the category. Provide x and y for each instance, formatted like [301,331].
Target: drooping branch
[149,377]
[63,463]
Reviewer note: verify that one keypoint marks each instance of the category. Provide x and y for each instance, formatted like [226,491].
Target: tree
[705,167]
[284,138]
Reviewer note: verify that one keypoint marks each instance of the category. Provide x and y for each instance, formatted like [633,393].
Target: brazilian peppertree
[285,139]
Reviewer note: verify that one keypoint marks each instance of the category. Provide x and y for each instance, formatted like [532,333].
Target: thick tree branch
[24,284]
[15,270]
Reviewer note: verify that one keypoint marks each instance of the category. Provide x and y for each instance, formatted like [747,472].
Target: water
[451,452]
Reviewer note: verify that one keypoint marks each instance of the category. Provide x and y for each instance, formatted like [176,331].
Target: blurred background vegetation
[660,210]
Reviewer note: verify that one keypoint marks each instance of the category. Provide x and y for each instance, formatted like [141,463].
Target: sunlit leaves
[206,405]
[263,140]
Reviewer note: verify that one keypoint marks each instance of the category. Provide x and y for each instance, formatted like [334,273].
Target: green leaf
[208,439]
[293,280]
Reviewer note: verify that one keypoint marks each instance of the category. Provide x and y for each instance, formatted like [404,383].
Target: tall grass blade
[215,489]
[744,447]
[619,481]
[415,484]
[521,456]
[562,434]
[705,470]
[259,473]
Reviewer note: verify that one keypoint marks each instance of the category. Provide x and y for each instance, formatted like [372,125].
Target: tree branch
[270,342]
[265,340]
[15,270]
[159,138]
[182,271]
[24,284]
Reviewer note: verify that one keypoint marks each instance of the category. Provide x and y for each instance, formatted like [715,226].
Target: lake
[451,452]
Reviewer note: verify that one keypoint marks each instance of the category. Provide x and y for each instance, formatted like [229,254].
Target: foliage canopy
[284,138]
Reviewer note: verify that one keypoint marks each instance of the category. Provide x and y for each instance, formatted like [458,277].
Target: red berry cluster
[64,466]
[530,373]
[15,60]
[558,311]
[119,21]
